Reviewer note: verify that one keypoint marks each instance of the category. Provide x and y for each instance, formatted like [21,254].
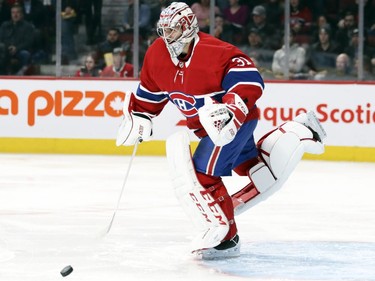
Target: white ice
[54,208]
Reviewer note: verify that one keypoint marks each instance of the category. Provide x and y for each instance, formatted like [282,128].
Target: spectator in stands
[254,45]
[367,73]
[300,22]
[301,13]
[144,18]
[38,15]
[92,10]
[221,30]
[219,26]
[201,10]
[321,22]
[89,68]
[324,52]
[343,70]
[345,29]
[16,38]
[352,49]
[270,34]
[3,58]
[34,12]
[264,71]
[119,68]
[371,36]
[68,22]
[275,10]
[296,64]
[236,14]
[156,6]
[372,61]
[222,4]
[49,29]
[317,7]
[254,49]
[5,7]
[236,18]
[145,44]
[352,8]
[106,47]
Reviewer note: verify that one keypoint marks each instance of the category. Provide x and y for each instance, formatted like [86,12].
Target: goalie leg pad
[216,188]
[277,149]
[197,202]
[280,151]
[262,176]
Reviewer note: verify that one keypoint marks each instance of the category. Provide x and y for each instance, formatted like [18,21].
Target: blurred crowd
[324,36]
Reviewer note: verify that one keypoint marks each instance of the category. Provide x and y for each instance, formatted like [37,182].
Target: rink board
[152,148]
[82,116]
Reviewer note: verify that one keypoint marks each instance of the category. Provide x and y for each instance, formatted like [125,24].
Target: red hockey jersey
[213,69]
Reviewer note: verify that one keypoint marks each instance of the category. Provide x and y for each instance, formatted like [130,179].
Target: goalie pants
[212,162]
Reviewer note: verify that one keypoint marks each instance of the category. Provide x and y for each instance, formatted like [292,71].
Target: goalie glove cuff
[236,107]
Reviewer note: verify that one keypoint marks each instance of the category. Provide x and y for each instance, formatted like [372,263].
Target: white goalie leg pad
[281,151]
[262,176]
[198,204]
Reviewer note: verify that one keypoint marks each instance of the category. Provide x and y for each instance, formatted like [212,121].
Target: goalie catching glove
[222,120]
[135,126]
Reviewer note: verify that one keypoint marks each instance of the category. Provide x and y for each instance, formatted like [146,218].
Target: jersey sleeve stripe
[153,97]
[213,94]
[243,69]
[154,93]
[246,83]
[234,77]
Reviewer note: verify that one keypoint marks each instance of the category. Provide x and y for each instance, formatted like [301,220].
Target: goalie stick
[139,140]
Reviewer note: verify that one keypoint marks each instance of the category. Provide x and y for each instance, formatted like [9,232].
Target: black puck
[66,270]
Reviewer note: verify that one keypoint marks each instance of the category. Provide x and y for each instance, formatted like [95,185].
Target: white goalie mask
[177,26]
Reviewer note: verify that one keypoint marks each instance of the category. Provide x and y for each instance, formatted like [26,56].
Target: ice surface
[54,208]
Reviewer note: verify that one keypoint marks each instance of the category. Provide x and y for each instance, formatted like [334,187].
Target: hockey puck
[66,270]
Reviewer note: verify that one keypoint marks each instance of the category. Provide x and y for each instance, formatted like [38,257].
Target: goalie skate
[310,120]
[226,249]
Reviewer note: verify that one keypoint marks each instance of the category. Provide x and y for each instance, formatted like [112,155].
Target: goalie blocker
[135,126]
[279,153]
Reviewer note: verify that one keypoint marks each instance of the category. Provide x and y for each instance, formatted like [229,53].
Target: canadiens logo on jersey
[185,103]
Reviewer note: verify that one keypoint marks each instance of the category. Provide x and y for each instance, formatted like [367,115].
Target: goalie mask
[177,26]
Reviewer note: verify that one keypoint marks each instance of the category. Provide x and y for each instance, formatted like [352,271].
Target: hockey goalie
[216,87]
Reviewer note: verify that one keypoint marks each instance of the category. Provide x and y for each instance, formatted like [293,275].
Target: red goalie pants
[220,194]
